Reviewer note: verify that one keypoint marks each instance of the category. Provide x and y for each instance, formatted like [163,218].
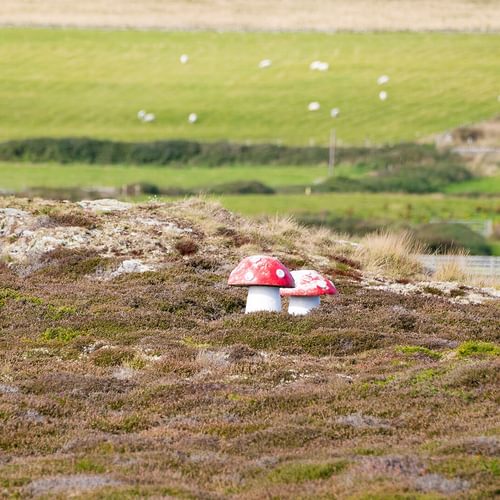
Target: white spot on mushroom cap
[280,273]
[323,284]
[249,276]
[255,258]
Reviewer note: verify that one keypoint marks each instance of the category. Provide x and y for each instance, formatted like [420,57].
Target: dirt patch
[326,15]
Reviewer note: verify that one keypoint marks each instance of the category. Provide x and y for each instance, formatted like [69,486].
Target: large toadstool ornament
[309,286]
[264,276]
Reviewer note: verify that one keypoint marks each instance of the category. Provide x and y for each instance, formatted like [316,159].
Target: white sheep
[335,112]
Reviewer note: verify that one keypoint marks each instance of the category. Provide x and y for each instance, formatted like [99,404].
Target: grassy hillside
[154,384]
[93,83]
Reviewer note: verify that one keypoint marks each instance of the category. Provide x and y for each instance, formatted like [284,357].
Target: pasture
[17,177]
[93,83]
[388,206]
[391,206]
[484,185]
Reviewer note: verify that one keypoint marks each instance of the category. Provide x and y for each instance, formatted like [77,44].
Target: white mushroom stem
[302,305]
[263,298]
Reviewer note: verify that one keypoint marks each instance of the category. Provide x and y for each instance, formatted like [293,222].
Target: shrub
[299,473]
[477,348]
[186,246]
[59,334]
[419,351]
[448,237]
[112,357]
[407,178]
[242,187]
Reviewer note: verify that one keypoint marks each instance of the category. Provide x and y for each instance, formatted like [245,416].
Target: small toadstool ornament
[309,286]
[264,276]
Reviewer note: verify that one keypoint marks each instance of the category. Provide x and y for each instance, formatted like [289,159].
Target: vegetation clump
[478,348]
[60,334]
[391,254]
[444,238]
[302,472]
[419,351]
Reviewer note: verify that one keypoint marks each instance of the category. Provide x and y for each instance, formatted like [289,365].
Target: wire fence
[478,265]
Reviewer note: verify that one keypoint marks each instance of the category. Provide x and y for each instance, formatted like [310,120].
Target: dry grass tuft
[453,270]
[391,254]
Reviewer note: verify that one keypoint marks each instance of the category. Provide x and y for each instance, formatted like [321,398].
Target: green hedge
[401,178]
[177,152]
[74,150]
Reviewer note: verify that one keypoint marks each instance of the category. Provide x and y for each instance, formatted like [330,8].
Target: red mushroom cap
[261,270]
[309,284]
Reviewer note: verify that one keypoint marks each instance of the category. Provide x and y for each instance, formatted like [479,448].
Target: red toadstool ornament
[309,286]
[264,276]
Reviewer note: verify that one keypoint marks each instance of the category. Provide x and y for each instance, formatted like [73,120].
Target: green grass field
[21,176]
[412,208]
[66,82]
[406,207]
[485,185]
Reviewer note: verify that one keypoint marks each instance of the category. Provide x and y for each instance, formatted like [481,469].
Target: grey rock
[8,389]
[71,483]
[436,482]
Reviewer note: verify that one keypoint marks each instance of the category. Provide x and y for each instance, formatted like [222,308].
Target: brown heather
[155,384]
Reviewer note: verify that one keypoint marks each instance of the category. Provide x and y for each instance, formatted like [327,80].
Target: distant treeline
[180,152]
